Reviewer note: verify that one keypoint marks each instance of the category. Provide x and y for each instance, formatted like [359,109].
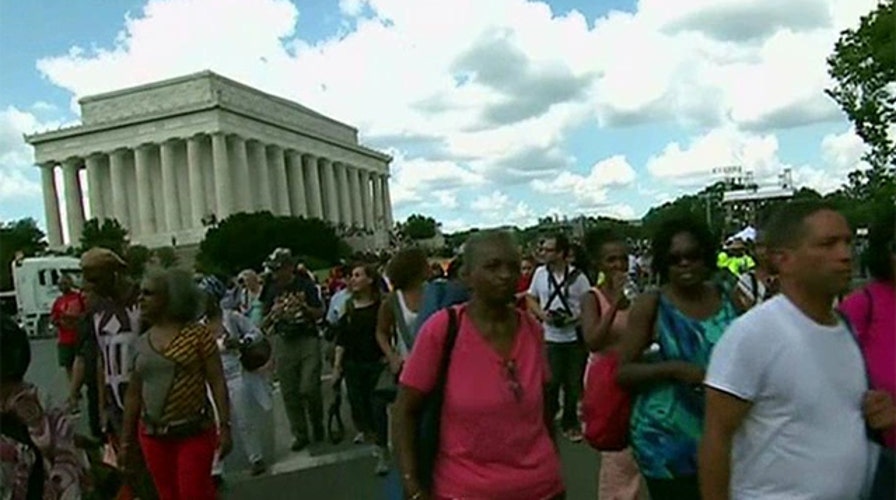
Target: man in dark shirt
[292,307]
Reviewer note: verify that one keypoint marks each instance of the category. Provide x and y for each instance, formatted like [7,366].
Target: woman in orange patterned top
[167,407]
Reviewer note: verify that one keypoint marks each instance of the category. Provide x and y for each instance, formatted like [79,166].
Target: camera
[560,319]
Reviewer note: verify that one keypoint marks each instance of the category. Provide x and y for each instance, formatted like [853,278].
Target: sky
[495,112]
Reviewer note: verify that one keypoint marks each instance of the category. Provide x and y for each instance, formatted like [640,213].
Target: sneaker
[299,444]
[574,435]
[359,438]
[258,468]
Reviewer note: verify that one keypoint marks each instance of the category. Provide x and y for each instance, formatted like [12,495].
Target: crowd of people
[753,371]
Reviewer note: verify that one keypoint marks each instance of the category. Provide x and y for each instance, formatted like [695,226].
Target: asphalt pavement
[322,471]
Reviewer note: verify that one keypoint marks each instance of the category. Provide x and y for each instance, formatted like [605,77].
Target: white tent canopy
[747,234]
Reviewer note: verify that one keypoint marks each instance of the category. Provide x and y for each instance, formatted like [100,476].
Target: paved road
[324,471]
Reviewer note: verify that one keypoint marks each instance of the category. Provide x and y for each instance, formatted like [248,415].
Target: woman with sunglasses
[167,407]
[495,439]
[671,334]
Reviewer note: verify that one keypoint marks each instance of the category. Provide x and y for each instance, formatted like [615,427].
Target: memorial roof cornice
[84,129]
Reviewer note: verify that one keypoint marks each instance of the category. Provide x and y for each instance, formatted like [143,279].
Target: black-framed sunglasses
[513,381]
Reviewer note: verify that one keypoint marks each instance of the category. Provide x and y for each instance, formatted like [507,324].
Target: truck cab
[36,283]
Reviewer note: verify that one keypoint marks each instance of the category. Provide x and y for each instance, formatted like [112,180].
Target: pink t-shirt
[494,442]
[875,324]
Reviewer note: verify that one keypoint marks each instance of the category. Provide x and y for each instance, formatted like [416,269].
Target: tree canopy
[110,234]
[18,236]
[244,241]
[420,227]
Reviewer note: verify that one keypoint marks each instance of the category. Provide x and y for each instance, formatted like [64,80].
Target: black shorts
[66,354]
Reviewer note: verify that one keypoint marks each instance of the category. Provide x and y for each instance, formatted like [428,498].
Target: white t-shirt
[542,289]
[804,436]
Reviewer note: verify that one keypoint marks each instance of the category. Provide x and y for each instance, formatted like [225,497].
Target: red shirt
[64,314]
[522,286]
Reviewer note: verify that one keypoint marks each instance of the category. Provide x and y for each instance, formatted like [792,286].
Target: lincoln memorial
[168,159]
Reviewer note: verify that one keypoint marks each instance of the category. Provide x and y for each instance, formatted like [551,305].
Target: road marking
[303,460]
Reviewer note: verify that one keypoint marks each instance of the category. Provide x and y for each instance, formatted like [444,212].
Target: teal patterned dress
[667,418]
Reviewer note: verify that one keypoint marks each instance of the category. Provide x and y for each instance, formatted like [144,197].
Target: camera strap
[560,290]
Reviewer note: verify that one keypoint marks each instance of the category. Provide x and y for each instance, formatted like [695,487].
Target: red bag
[606,407]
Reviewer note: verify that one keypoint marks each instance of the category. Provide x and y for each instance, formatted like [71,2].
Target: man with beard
[106,350]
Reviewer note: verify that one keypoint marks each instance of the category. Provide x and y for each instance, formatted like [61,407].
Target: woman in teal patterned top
[671,335]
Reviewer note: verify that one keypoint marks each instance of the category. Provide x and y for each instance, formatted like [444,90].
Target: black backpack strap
[450,340]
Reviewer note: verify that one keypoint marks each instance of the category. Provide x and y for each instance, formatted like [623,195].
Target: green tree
[863,66]
[420,227]
[18,236]
[109,235]
[137,257]
[165,257]
[245,240]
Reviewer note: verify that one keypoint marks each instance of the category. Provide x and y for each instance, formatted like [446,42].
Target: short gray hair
[183,298]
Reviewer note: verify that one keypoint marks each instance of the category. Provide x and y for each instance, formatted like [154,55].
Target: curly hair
[184,300]
[881,238]
[408,267]
[597,238]
[661,245]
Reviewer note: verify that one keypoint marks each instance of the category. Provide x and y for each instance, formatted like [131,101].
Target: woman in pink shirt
[494,439]
[872,311]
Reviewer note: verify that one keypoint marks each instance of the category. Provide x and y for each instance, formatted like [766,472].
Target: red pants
[181,468]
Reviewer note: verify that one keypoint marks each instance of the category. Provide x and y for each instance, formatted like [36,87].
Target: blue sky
[495,112]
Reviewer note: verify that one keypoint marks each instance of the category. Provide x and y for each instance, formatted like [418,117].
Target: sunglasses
[513,381]
[678,258]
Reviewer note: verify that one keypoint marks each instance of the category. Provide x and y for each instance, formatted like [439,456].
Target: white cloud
[493,89]
[18,175]
[693,165]
[589,191]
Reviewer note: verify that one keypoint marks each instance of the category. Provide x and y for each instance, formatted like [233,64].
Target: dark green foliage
[18,236]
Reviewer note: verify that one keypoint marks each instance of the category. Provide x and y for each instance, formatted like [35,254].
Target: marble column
[366,199]
[344,191]
[378,218]
[117,164]
[145,216]
[258,158]
[313,186]
[51,204]
[243,194]
[94,189]
[354,178]
[223,180]
[330,190]
[296,178]
[279,180]
[194,179]
[74,202]
[169,187]
[387,202]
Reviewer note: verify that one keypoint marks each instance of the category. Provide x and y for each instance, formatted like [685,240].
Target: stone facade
[166,158]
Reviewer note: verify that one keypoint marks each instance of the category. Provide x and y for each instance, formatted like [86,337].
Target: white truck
[36,287]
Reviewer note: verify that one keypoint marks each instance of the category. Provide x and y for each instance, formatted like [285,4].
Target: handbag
[255,353]
[606,407]
[429,421]
[386,384]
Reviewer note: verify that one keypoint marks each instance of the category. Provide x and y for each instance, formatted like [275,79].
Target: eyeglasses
[512,381]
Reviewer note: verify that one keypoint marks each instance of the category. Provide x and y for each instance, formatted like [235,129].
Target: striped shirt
[174,379]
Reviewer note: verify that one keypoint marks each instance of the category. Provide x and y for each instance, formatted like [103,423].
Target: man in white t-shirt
[554,297]
[787,400]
